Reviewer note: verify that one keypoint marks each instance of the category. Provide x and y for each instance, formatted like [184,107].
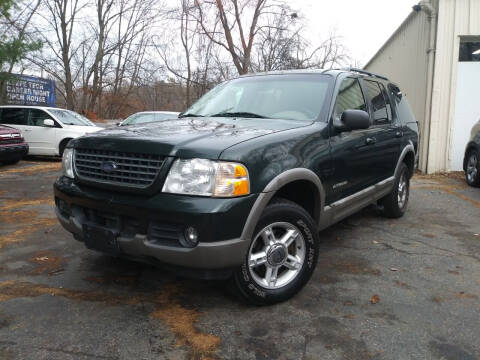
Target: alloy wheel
[402,191]
[472,168]
[276,255]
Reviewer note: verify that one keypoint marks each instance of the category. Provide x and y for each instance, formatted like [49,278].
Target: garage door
[467,104]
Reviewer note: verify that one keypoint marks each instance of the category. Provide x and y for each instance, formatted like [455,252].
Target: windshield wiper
[189,115]
[244,114]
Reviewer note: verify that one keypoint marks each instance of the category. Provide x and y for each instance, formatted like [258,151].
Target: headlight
[207,178]
[67,163]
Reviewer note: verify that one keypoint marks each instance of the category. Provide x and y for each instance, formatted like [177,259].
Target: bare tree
[192,64]
[104,54]
[278,40]
[104,17]
[188,33]
[231,15]
[132,37]
[280,45]
[61,19]
[329,53]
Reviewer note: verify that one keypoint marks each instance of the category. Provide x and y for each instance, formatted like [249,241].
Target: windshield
[298,97]
[140,118]
[68,117]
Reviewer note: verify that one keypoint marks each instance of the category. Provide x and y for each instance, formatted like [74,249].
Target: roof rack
[363,72]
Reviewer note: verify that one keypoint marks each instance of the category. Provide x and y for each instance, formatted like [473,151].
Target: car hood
[184,137]
[82,129]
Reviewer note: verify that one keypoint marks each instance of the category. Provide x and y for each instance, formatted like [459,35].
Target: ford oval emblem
[109,166]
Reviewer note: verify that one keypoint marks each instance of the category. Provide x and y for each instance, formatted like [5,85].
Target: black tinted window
[469,51]
[36,117]
[381,110]
[388,101]
[350,97]
[12,116]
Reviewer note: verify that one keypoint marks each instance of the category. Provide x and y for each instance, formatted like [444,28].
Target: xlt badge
[337,185]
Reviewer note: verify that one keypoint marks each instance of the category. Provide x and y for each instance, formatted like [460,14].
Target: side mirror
[353,120]
[49,123]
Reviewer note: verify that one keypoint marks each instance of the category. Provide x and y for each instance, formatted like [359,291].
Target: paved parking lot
[383,289]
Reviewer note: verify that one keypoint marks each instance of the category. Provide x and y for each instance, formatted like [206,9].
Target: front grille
[117,168]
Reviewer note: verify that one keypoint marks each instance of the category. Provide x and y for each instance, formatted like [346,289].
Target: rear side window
[350,97]
[12,116]
[382,111]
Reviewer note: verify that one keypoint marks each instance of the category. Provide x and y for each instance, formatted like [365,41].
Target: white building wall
[456,18]
[403,59]
[467,111]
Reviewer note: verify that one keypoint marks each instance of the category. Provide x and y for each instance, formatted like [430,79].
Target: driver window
[36,117]
[350,97]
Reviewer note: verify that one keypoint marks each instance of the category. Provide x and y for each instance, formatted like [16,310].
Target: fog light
[191,236]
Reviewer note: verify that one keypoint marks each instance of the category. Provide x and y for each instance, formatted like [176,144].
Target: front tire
[281,257]
[395,204]
[472,173]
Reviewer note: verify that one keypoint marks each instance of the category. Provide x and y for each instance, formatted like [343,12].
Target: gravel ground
[382,289]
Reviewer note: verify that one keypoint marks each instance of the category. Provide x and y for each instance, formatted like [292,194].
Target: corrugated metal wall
[456,18]
[403,59]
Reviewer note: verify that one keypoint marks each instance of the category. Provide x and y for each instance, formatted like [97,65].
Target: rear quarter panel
[408,121]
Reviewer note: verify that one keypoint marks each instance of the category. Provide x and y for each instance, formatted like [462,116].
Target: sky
[365,25]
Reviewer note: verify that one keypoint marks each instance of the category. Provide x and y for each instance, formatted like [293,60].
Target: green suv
[240,185]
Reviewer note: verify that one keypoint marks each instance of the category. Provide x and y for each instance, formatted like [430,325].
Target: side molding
[327,215]
[272,187]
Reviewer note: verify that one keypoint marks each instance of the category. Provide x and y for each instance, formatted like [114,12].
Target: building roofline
[410,16]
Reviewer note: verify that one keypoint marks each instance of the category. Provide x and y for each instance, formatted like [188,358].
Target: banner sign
[30,90]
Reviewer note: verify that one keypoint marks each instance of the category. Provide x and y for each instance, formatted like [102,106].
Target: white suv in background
[47,130]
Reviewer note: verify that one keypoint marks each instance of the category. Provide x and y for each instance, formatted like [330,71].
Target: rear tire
[281,257]
[395,204]
[472,173]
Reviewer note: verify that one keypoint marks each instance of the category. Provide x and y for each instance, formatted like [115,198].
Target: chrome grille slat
[121,164]
[132,169]
[116,176]
[120,170]
[121,157]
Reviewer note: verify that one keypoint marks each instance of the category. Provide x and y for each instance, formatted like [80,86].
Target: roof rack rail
[364,72]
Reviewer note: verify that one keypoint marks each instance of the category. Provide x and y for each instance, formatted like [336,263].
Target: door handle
[398,134]
[370,141]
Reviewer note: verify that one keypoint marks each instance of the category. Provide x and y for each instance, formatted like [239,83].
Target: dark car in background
[12,145]
[240,185]
[471,162]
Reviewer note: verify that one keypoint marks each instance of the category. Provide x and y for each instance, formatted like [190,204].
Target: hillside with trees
[111,58]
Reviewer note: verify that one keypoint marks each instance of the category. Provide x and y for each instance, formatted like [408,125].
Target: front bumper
[13,151]
[150,227]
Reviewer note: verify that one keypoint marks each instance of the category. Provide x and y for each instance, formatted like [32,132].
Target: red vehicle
[12,145]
